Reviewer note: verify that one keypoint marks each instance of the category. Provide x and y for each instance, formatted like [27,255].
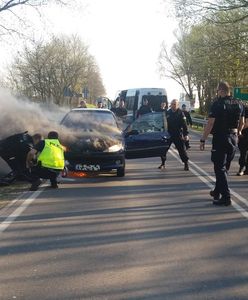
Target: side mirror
[132,132]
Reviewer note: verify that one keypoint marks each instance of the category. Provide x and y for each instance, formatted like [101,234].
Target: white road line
[6,223]
[240,209]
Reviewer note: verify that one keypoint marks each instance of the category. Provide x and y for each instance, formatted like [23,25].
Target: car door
[147,136]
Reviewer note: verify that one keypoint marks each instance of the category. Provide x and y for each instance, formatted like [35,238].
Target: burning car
[95,144]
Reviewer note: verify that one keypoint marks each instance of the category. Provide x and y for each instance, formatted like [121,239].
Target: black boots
[162,166]
[241,172]
[214,194]
[186,166]
[222,202]
[35,185]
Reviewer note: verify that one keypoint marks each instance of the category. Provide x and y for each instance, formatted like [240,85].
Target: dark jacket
[176,123]
[227,112]
[188,117]
[144,109]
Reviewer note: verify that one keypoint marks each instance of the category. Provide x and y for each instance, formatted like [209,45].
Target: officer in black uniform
[188,121]
[178,131]
[225,123]
[243,146]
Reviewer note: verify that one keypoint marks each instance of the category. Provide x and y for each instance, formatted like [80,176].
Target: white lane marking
[240,209]
[241,199]
[6,223]
[64,179]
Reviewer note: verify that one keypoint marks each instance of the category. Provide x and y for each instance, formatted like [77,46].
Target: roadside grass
[12,191]
[197,128]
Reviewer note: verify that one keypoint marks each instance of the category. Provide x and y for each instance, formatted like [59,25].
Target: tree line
[210,46]
[57,70]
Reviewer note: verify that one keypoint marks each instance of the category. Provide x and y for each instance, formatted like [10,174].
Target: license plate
[81,167]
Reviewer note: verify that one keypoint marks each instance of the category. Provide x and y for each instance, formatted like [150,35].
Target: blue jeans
[223,150]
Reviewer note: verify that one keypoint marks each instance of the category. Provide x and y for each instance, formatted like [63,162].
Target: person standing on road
[188,121]
[178,131]
[50,161]
[243,147]
[225,123]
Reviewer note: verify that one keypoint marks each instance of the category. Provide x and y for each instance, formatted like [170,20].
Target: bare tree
[13,14]
[56,71]
[197,9]
[177,66]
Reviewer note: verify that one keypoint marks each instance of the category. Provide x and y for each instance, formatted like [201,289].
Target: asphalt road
[150,235]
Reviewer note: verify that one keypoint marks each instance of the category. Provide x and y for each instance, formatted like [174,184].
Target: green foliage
[206,53]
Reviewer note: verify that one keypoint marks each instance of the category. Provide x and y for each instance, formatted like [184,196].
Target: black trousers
[187,144]
[45,173]
[243,149]
[223,150]
[181,148]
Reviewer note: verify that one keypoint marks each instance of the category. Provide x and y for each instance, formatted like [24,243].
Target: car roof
[91,109]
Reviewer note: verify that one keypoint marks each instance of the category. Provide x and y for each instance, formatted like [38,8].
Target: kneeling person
[50,160]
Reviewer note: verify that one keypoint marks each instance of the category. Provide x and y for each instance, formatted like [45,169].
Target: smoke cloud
[19,115]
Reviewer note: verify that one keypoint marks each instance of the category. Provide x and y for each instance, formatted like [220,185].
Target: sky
[124,36]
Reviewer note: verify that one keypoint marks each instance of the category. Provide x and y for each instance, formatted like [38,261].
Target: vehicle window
[155,101]
[130,100]
[153,122]
[90,120]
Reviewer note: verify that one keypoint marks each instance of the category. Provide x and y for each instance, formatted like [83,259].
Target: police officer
[243,146]
[225,123]
[178,131]
[188,121]
[50,160]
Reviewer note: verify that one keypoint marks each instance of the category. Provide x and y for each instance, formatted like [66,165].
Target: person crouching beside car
[50,161]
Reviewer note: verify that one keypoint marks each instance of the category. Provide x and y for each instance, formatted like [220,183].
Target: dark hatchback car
[95,143]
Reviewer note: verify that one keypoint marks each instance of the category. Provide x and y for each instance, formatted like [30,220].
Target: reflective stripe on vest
[52,156]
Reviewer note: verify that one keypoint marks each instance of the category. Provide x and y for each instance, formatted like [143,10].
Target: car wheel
[120,172]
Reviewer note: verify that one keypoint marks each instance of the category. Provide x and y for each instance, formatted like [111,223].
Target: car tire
[120,172]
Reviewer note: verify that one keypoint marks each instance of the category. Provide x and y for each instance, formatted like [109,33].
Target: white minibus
[134,99]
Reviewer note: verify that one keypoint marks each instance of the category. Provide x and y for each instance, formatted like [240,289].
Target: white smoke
[19,115]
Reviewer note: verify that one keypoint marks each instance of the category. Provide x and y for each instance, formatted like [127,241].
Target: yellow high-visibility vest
[52,156]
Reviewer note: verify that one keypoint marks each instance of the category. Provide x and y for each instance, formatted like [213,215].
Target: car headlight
[115,148]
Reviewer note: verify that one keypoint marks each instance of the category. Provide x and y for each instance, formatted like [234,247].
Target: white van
[134,99]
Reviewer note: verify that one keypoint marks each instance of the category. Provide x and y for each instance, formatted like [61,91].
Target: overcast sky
[124,36]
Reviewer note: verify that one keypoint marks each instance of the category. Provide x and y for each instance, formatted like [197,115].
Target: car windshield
[103,121]
[151,122]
